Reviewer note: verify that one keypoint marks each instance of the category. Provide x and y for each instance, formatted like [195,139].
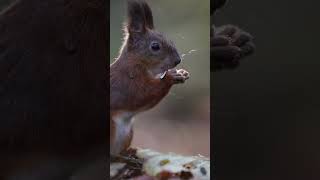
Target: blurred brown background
[181,122]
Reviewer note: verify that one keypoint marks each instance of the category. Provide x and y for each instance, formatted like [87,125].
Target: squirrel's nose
[177,61]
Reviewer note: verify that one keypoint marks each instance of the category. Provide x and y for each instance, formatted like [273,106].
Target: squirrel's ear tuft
[148,15]
[136,17]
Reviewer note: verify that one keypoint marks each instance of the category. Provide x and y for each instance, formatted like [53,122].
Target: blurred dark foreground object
[228,44]
[216,4]
[53,59]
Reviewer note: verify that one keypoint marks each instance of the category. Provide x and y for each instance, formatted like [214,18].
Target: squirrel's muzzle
[177,59]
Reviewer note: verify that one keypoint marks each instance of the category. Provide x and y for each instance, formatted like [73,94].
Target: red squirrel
[142,74]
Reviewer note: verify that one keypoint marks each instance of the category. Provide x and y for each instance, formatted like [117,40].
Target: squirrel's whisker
[188,53]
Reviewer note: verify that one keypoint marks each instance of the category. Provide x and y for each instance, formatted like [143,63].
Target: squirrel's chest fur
[132,90]
[121,134]
[136,94]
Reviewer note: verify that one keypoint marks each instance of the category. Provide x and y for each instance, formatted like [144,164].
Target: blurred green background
[180,123]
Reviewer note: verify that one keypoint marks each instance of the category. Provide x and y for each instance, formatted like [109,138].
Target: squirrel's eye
[155,46]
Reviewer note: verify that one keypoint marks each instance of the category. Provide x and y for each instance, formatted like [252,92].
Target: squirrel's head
[146,45]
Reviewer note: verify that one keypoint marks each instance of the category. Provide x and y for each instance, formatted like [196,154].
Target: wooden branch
[146,164]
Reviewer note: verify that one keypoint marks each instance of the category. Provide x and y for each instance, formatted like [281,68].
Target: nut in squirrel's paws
[178,76]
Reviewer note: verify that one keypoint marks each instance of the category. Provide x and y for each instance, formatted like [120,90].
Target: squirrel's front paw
[178,76]
[228,45]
